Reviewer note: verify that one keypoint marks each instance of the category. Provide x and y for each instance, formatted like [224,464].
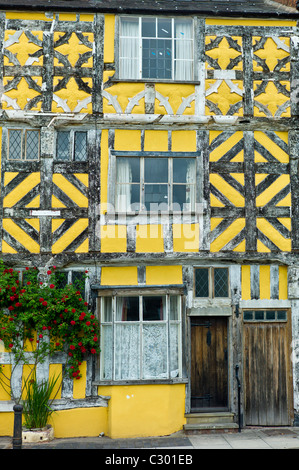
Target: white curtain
[129,48]
[123,186]
[183,50]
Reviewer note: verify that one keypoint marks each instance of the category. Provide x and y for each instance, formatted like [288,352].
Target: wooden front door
[209,363]
[267,373]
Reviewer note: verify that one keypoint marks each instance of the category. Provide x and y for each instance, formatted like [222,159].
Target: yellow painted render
[245,282]
[73,49]
[183,141]
[22,93]
[74,231]
[79,385]
[283,244]
[80,422]
[123,93]
[6,424]
[144,410]
[25,15]
[271,53]
[185,237]
[175,93]
[104,169]
[109,38]
[5,392]
[226,146]
[265,282]
[119,276]
[155,141]
[224,53]
[281,182]
[228,234]
[236,198]
[159,275]
[149,239]
[70,190]
[16,232]
[55,370]
[272,99]
[250,22]
[127,140]
[283,282]
[113,238]
[72,96]
[32,180]
[224,98]
[270,145]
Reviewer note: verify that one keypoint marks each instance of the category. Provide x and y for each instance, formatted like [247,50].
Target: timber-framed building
[155,144]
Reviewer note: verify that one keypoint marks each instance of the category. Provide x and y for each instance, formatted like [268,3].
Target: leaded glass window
[211,282]
[23,144]
[71,146]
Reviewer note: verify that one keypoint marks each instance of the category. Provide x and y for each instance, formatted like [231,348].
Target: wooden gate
[267,368]
[209,363]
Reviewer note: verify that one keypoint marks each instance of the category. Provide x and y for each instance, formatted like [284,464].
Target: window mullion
[142,178]
[140,48]
[173,49]
[113,337]
[141,337]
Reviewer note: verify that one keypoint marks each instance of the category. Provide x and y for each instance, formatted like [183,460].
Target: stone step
[210,427]
[210,418]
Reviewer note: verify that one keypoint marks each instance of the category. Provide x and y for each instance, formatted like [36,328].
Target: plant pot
[38,434]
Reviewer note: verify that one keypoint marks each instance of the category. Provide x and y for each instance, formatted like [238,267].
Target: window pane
[154,308]
[202,282]
[270,315]
[148,27]
[259,315]
[164,28]
[281,315]
[174,307]
[183,28]
[32,145]
[106,314]
[127,170]
[15,144]
[106,352]
[221,282]
[156,170]
[78,279]
[156,58]
[127,351]
[127,309]
[61,279]
[174,350]
[155,194]
[63,146]
[129,27]
[80,147]
[154,354]
[184,170]
[248,315]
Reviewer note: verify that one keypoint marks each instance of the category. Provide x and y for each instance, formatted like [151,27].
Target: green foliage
[44,318]
[37,405]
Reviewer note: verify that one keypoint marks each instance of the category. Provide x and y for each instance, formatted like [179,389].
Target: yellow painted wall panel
[113,238]
[145,410]
[159,275]
[21,189]
[109,38]
[16,232]
[104,169]
[55,371]
[119,276]
[185,237]
[283,282]
[265,292]
[250,22]
[245,282]
[127,140]
[86,422]
[155,141]
[149,239]
[79,385]
[183,141]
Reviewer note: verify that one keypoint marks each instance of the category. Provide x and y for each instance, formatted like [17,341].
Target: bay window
[140,337]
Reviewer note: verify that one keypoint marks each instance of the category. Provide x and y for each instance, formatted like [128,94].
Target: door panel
[209,375]
[267,378]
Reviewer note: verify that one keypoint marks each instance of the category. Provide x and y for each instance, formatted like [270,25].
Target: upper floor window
[23,144]
[155,184]
[71,146]
[156,48]
[211,282]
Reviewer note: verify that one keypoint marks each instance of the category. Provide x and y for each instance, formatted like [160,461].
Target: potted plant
[38,318]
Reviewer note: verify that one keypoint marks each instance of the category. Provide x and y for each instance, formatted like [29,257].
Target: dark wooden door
[209,363]
[267,374]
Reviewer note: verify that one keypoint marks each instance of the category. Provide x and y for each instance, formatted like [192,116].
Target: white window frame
[173,59]
[170,156]
[113,323]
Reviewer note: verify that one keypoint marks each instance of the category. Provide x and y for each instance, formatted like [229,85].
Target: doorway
[209,364]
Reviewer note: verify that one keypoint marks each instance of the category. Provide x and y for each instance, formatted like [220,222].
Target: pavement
[174,444]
